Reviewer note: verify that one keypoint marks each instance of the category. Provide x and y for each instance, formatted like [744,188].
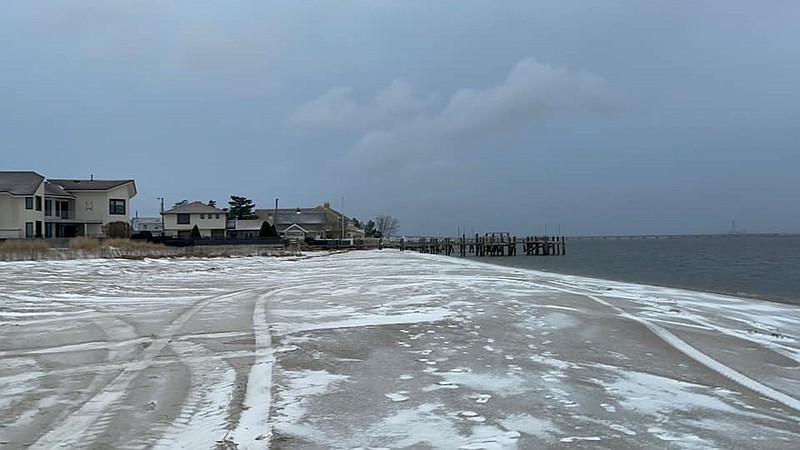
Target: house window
[38,202]
[217,215]
[202,216]
[29,229]
[28,202]
[48,207]
[184,219]
[116,206]
[48,230]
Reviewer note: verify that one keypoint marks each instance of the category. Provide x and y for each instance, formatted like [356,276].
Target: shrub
[267,230]
[118,229]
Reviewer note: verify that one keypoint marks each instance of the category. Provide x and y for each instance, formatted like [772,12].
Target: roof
[54,190]
[90,185]
[194,208]
[242,224]
[20,183]
[305,216]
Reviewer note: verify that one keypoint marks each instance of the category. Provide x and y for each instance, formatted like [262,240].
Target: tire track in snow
[201,421]
[695,354]
[69,431]
[254,429]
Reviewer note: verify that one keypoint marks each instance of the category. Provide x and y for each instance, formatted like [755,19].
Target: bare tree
[386,225]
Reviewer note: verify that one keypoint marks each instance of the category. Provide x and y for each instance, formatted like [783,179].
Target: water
[766,267]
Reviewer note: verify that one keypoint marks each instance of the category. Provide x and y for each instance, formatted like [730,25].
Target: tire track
[70,430]
[684,347]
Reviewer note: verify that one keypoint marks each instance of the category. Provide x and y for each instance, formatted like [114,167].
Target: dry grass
[16,246]
[84,243]
[129,244]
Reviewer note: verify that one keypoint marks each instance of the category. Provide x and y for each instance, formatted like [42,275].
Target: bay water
[765,267]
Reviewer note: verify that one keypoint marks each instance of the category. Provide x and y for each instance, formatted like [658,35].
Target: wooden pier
[490,244]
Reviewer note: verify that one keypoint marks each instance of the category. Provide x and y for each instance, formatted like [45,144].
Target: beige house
[210,221]
[32,206]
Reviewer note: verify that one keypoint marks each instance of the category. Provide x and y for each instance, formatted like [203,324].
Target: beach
[383,349]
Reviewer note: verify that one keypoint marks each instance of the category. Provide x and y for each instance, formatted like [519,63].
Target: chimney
[91,177]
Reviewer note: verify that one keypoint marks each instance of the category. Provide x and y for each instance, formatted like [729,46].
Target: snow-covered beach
[383,349]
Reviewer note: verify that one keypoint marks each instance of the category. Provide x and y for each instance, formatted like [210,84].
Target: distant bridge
[683,236]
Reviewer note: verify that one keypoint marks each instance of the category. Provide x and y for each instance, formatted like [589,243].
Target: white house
[180,220]
[32,206]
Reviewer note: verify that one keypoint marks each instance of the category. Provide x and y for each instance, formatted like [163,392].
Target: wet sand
[383,349]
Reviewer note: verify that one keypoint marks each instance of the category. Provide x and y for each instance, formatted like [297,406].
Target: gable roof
[20,183]
[295,226]
[91,185]
[54,190]
[305,216]
[194,208]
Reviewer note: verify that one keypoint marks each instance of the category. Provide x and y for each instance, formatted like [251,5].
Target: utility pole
[162,214]
[342,218]
[275,218]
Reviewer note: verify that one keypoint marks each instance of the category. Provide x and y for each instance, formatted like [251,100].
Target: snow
[383,349]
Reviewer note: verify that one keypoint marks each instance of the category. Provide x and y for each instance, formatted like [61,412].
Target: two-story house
[180,220]
[32,206]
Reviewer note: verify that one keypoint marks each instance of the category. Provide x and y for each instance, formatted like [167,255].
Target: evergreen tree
[196,233]
[241,208]
[267,230]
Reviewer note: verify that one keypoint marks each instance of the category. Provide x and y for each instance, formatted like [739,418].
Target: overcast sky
[604,117]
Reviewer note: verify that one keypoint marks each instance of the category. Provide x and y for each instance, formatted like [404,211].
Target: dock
[490,244]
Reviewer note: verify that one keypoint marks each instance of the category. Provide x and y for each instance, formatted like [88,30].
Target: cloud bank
[399,126]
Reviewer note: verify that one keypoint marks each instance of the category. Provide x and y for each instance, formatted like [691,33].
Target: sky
[588,118]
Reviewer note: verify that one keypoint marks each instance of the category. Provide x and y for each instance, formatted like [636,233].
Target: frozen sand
[383,350]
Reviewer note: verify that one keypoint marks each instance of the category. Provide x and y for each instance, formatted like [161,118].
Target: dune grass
[90,244]
[130,244]
[20,246]
[85,243]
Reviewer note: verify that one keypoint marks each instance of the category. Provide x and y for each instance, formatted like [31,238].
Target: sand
[383,349]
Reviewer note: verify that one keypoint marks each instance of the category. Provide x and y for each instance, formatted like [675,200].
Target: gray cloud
[338,110]
[399,126]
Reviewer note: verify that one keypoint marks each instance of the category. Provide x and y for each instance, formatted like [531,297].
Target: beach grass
[85,243]
[23,246]
[130,244]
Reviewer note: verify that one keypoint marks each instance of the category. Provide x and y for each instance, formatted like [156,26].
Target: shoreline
[760,297]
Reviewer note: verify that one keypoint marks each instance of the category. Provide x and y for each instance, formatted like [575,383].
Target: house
[306,223]
[320,222]
[154,225]
[244,228]
[180,220]
[32,206]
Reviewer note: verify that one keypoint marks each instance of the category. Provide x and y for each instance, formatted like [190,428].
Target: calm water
[753,266]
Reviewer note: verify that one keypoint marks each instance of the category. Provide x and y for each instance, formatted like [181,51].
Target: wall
[171,227]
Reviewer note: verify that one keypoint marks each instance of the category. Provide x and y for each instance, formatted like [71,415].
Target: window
[38,202]
[203,216]
[116,206]
[29,229]
[217,215]
[184,219]
[48,230]
[64,214]
[28,202]
[48,207]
